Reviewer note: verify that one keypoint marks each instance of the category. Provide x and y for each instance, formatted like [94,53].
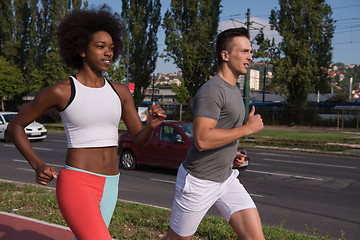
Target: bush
[50,116]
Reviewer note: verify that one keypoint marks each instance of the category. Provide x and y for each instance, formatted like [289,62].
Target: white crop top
[92,116]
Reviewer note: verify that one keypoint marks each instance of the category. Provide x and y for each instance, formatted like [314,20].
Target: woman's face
[100,51]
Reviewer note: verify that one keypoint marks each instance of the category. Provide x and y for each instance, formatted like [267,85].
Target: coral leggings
[87,201]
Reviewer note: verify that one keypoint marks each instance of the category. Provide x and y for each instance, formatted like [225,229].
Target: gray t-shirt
[220,101]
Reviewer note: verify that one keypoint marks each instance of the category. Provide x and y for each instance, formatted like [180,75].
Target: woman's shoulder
[120,87]
[117,84]
[60,87]
[60,90]
[55,95]
[122,90]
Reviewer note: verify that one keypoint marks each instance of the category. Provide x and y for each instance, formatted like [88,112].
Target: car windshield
[9,117]
[188,130]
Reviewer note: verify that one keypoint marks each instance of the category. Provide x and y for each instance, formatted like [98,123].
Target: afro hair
[75,30]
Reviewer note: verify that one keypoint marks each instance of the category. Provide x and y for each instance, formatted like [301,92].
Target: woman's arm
[140,135]
[53,96]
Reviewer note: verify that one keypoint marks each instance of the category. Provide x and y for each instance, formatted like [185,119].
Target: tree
[116,71]
[268,52]
[27,34]
[143,20]
[53,70]
[306,52]
[190,34]
[181,95]
[7,46]
[181,92]
[11,80]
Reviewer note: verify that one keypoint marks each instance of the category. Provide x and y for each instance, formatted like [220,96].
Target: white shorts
[194,197]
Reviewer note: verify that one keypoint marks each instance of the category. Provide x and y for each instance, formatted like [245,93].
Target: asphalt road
[301,191]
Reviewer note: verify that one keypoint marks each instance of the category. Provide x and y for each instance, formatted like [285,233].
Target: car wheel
[128,160]
[7,137]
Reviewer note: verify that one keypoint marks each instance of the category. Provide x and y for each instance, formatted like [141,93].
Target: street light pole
[264,82]
[350,87]
[247,76]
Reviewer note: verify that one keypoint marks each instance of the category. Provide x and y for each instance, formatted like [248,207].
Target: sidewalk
[15,227]
[312,128]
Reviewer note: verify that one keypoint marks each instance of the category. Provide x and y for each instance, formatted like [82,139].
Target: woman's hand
[45,174]
[156,116]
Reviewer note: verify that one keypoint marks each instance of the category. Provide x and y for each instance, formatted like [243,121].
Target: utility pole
[153,86]
[350,87]
[264,82]
[127,54]
[246,90]
[247,76]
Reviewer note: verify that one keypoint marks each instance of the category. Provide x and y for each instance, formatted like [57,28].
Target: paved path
[15,227]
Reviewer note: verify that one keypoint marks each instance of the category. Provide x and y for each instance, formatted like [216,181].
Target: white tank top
[92,116]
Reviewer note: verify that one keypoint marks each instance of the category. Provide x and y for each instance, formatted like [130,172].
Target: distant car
[34,131]
[167,148]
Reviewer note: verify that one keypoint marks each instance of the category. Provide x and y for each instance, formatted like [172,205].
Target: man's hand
[44,174]
[239,159]
[155,116]
[254,121]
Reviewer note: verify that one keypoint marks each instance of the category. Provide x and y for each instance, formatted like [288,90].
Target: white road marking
[18,160]
[144,204]
[62,141]
[286,175]
[275,154]
[256,195]
[8,145]
[160,180]
[309,163]
[36,148]
[25,169]
[44,149]
[50,164]
[172,182]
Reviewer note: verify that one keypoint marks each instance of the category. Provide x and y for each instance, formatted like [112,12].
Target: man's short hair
[224,38]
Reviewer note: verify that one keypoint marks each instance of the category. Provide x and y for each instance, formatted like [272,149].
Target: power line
[358,5]
[342,43]
[347,19]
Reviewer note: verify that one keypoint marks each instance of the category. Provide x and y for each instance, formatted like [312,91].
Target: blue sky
[346,41]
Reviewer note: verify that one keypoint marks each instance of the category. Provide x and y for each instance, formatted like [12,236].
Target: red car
[167,148]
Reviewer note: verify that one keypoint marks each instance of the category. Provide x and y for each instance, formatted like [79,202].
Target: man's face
[239,56]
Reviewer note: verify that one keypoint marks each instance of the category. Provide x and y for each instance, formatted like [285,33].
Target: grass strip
[307,136]
[130,221]
[315,140]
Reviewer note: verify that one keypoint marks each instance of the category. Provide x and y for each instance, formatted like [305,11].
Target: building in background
[254,80]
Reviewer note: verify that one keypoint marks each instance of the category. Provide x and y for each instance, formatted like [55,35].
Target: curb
[355,153]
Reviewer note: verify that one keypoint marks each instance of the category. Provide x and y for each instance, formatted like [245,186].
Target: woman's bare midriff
[102,160]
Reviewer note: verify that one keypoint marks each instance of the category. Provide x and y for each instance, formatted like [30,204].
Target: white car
[34,131]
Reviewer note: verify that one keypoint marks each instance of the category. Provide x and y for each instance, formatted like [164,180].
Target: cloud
[256,25]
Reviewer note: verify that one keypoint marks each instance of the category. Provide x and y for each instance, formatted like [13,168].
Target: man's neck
[229,76]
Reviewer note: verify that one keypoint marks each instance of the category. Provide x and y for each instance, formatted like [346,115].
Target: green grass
[52,126]
[302,139]
[130,221]
[315,140]
[317,136]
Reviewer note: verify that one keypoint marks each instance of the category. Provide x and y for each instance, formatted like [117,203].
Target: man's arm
[206,136]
